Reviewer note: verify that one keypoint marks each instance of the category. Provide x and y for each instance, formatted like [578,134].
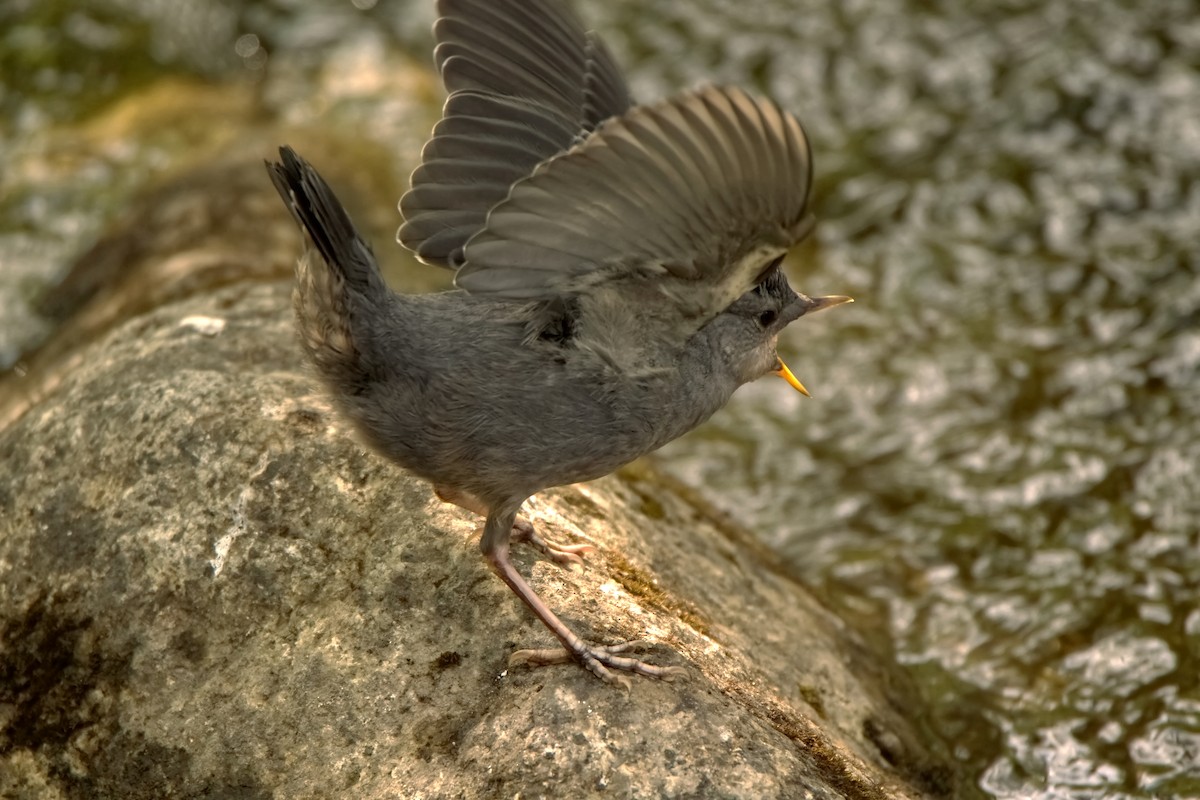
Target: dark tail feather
[317,209]
[338,288]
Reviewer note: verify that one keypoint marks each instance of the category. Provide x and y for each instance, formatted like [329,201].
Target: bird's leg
[565,555]
[599,659]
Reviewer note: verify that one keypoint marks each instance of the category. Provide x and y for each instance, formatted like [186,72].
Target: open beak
[782,371]
[812,304]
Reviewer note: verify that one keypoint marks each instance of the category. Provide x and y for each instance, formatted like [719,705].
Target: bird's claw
[600,660]
[565,555]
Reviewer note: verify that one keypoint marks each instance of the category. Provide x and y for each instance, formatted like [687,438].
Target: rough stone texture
[214,223]
[207,589]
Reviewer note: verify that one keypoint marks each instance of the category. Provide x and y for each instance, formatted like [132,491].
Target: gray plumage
[617,269]
[525,82]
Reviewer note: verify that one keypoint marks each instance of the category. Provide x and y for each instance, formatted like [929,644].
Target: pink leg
[600,660]
[565,555]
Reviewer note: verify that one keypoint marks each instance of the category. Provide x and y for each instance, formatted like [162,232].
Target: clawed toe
[565,555]
[606,662]
[601,660]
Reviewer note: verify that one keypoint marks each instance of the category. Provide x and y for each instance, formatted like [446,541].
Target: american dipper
[617,273]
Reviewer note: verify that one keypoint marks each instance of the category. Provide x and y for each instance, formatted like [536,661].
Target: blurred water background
[998,478]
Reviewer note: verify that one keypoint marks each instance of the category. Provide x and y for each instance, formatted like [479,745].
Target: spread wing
[525,82]
[700,193]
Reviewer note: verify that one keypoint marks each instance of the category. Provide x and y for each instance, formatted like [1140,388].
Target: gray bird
[617,273]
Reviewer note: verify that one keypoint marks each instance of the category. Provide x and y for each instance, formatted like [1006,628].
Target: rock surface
[208,589]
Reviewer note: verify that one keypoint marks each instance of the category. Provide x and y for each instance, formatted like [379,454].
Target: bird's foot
[565,555]
[600,660]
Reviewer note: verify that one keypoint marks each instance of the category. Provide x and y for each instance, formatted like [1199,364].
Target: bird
[617,271]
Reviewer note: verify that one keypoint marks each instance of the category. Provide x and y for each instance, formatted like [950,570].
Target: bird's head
[751,325]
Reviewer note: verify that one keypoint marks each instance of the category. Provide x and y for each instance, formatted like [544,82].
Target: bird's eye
[767,317]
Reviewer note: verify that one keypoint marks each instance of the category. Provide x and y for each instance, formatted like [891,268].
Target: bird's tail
[338,283]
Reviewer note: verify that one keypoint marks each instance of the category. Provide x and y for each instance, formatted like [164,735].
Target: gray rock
[208,589]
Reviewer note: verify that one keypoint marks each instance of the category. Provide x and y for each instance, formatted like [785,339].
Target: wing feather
[525,83]
[704,188]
